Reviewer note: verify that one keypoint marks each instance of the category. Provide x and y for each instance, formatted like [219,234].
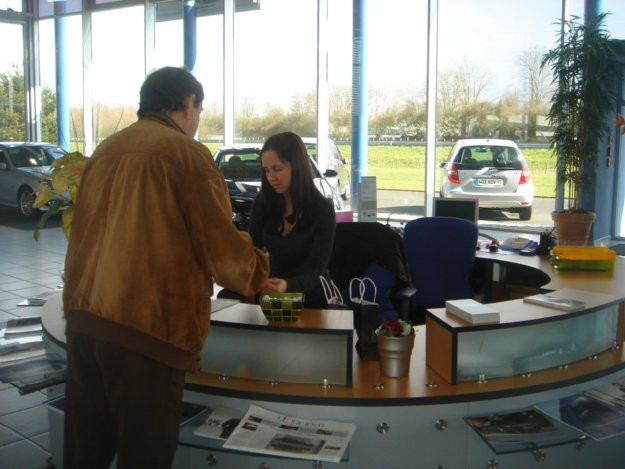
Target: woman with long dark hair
[292,220]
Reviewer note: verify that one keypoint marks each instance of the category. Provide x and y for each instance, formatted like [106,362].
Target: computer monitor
[461,208]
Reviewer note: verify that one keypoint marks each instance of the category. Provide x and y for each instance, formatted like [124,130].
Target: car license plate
[489,182]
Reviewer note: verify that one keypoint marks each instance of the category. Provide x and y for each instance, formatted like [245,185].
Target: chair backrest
[369,250]
[440,252]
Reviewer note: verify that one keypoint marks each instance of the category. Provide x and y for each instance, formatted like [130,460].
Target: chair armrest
[400,297]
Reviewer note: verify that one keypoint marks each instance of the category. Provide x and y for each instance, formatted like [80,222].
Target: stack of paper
[472,311]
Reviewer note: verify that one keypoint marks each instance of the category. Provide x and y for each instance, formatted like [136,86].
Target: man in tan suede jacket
[152,230]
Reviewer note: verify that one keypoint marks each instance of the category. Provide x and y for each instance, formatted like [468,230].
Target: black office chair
[440,252]
[376,251]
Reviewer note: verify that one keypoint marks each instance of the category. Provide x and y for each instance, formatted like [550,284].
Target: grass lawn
[403,167]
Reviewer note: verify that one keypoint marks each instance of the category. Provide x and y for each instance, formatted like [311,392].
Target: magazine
[18,351]
[611,394]
[521,430]
[565,304]
[219,423]
[37,300]
[593,417]
[266,432]
[27,325]
[190,411]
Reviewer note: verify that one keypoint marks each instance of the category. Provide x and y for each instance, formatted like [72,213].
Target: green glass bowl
[282,306]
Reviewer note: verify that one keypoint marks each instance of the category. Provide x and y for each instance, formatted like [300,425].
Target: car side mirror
[443,164]
[3,166]
[330,173]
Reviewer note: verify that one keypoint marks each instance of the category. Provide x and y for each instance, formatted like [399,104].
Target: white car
[491,170]
[337,171]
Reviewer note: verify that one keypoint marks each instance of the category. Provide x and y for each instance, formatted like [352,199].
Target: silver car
[491,170]
[22,167]
[337,171]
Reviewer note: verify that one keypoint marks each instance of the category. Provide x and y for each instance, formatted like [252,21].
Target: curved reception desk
[308,370]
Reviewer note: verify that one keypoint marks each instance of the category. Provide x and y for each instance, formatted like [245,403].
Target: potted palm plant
[585,75]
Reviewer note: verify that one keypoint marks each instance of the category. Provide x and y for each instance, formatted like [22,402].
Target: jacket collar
[162,118]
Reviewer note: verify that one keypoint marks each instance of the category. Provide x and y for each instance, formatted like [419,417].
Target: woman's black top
[303,254]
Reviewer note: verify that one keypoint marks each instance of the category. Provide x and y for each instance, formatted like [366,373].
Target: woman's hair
[165,89]
[290,148]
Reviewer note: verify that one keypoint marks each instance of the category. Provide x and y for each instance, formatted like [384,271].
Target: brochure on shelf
[551,301]
[219,423]
[266,432]
[191,410]
[20,370]
[472,311]
[23,326]
[19,351]
[593,417]
[521,430]
[37,300]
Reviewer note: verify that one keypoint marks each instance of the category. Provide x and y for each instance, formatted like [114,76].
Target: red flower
[620,121]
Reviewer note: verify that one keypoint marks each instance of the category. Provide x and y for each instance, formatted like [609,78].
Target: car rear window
[489,155]
[240,165]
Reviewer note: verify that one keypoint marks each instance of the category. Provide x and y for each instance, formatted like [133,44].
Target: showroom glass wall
[485,56]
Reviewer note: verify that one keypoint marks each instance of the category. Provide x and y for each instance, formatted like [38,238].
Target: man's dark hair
[165,89]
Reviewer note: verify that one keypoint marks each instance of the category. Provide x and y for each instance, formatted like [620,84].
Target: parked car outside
[491,170]
[240,165]
[23,166]
[336,163]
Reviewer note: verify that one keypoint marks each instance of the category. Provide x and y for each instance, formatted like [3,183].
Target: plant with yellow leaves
[59,192]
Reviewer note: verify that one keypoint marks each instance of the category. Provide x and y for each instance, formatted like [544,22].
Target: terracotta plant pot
[572,229]
[395,353]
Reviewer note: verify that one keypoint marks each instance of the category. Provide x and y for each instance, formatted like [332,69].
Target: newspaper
[263,431]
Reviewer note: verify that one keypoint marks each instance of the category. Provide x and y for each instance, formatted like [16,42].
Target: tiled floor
[27,268]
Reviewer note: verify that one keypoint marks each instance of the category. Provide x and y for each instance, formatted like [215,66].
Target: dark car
[23,166]
[241,168]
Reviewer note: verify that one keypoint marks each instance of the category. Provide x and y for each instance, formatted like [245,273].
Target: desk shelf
[528,338]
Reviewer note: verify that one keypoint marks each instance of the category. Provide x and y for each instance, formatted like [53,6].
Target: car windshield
[28,157]
[489,155]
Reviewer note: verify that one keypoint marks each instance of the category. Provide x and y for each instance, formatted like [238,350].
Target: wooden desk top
[425,386]
[596,281]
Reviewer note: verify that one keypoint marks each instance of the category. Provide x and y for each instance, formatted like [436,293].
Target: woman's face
[278,171]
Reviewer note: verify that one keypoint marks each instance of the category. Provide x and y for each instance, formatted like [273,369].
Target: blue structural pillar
[189,21]
[599,197]
[360,131]
[62,99]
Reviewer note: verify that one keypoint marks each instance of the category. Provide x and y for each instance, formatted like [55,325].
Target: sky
[275,48]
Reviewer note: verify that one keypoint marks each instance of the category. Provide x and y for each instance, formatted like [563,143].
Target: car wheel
[525,213]
[25,200]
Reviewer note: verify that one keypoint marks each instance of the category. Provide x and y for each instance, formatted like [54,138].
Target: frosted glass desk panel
[516,350]
[316,347]
[527,338]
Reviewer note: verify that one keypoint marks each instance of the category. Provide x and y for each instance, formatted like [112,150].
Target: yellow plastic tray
[584,253]
[582,258]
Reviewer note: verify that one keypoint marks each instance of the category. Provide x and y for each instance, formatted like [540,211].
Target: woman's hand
[277,285]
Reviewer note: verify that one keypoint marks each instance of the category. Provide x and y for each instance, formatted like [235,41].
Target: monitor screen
[461,208]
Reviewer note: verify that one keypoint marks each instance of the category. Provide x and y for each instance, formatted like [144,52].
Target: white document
[266,432]
[472,311]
